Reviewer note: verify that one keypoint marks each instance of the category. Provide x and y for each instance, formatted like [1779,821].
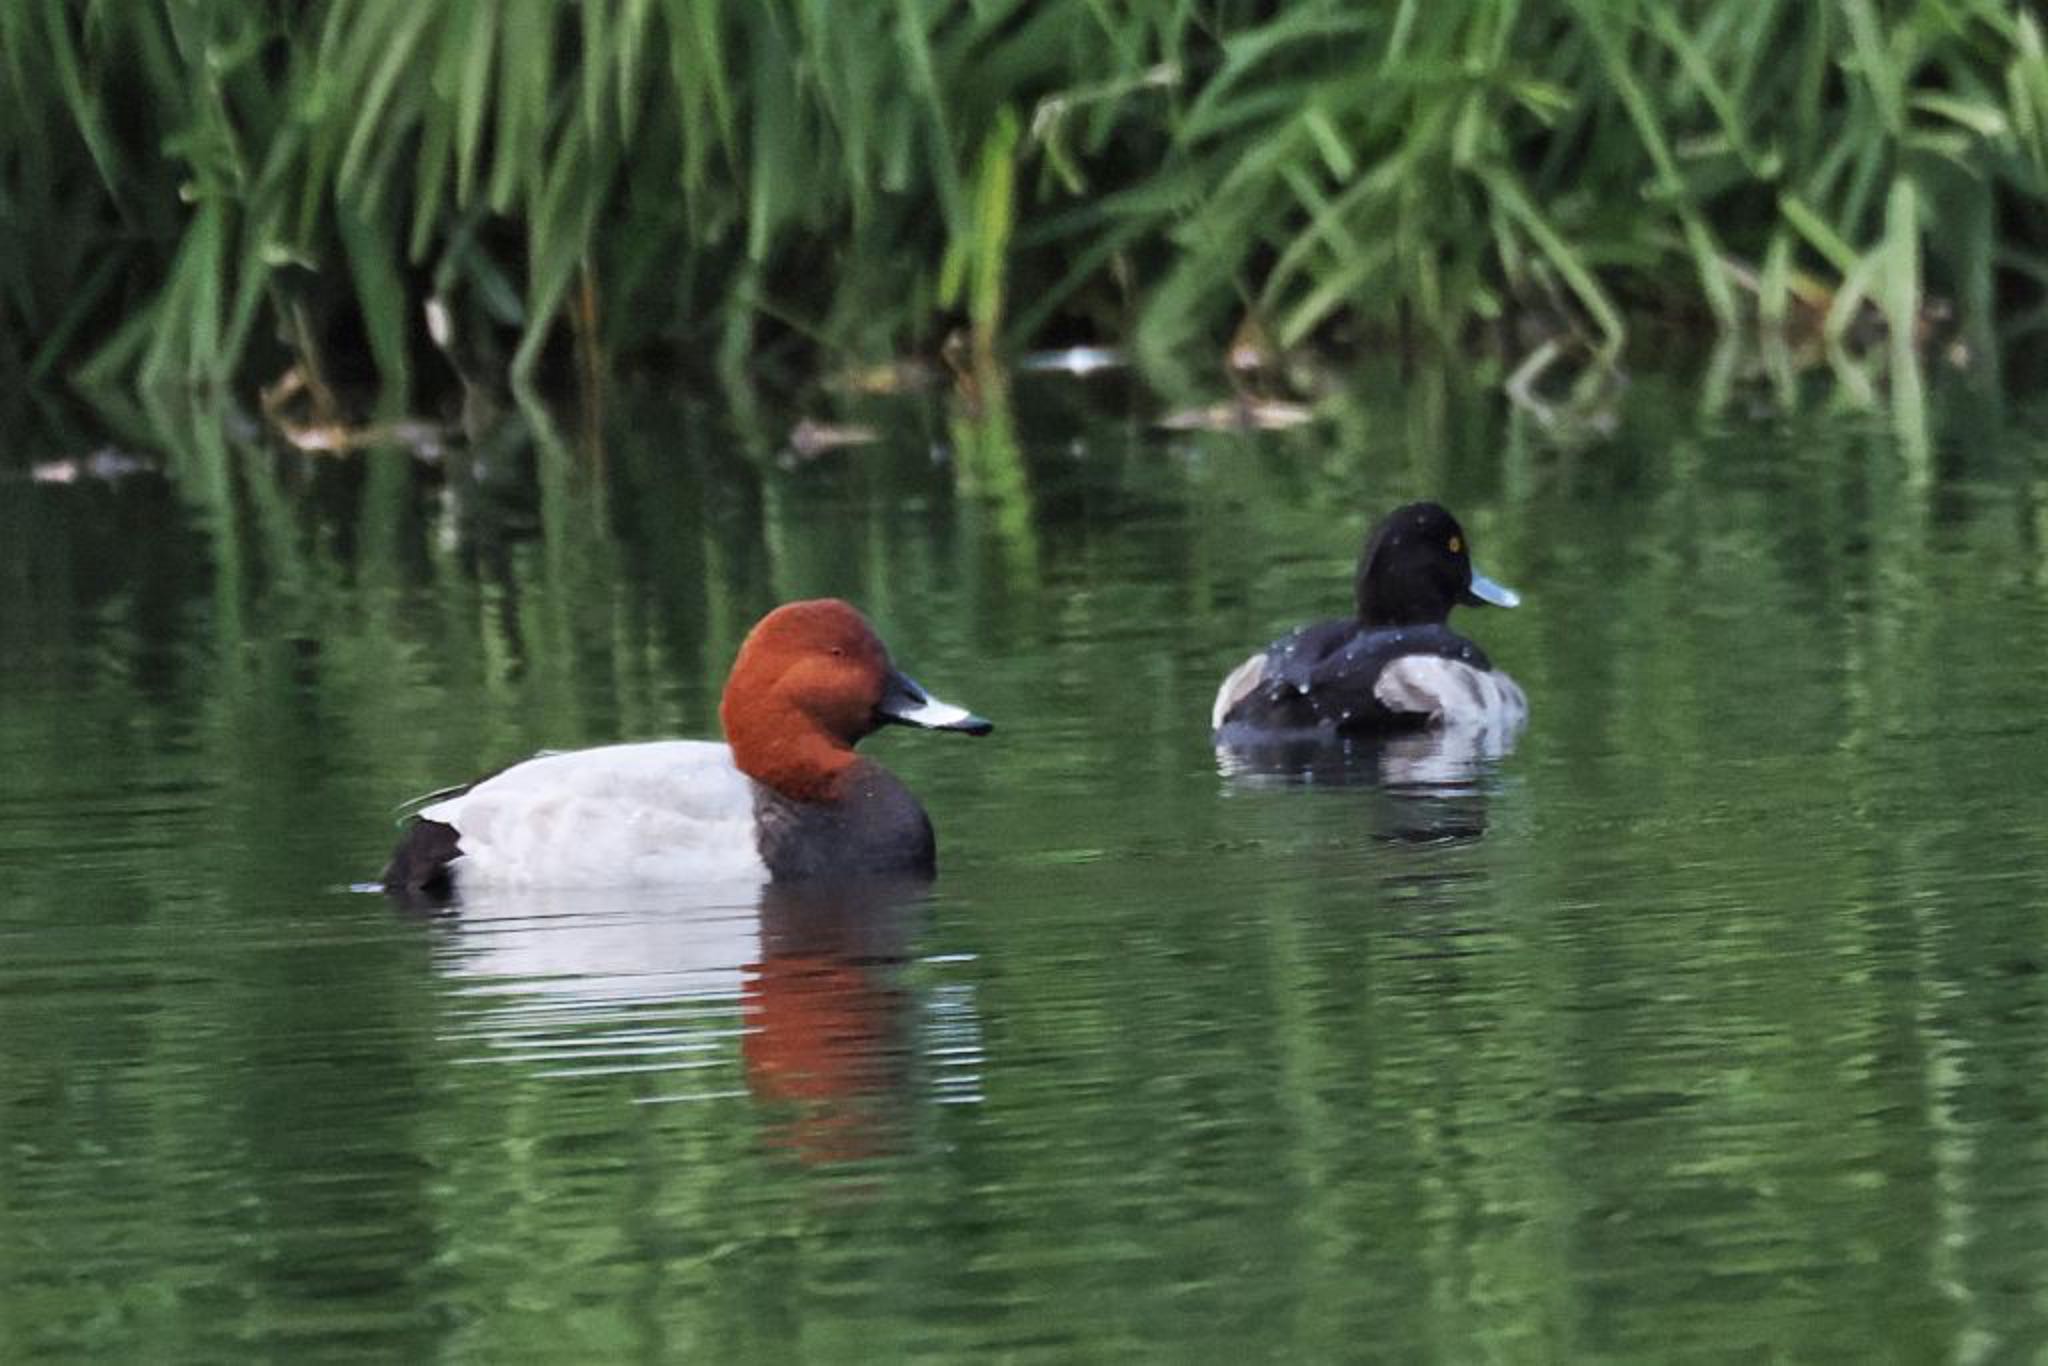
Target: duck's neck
[784,750]
[1378,620]
[1402,600]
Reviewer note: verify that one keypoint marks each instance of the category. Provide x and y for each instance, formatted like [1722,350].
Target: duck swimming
[1394,666]
[784,798]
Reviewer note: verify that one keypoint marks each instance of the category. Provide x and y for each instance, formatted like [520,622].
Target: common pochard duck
[1395,665]
[785,798]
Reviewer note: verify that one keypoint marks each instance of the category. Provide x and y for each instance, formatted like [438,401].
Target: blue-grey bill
[905,702]
[1498,595]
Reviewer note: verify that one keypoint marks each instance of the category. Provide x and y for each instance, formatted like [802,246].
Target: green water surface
[1711,1023]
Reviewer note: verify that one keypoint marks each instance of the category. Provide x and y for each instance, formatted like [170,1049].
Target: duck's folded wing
[1239,684]
[1283,670]
[1450,692]
[673,811]
[1415,675]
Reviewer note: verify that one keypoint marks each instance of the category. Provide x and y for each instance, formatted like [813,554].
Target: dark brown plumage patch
[419,865]
[875,826]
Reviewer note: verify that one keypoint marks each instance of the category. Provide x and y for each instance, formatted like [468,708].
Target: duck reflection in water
[649,981]
[1431,786]
[830,1029]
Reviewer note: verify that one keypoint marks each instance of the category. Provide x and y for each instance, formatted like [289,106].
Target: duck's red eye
[839,651]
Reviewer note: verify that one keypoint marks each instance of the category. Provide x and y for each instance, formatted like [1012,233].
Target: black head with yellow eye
[1416,567]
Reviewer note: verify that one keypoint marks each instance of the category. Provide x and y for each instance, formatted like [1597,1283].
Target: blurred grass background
[205,191]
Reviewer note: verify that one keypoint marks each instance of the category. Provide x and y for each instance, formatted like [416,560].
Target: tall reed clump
[186,183]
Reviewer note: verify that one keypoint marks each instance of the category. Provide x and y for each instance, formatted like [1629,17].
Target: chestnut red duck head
[811,681]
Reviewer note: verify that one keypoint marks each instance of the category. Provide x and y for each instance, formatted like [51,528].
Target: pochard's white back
[668,811]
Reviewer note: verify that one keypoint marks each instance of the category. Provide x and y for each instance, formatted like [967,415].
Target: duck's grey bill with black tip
[1486,591]
[906,703]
